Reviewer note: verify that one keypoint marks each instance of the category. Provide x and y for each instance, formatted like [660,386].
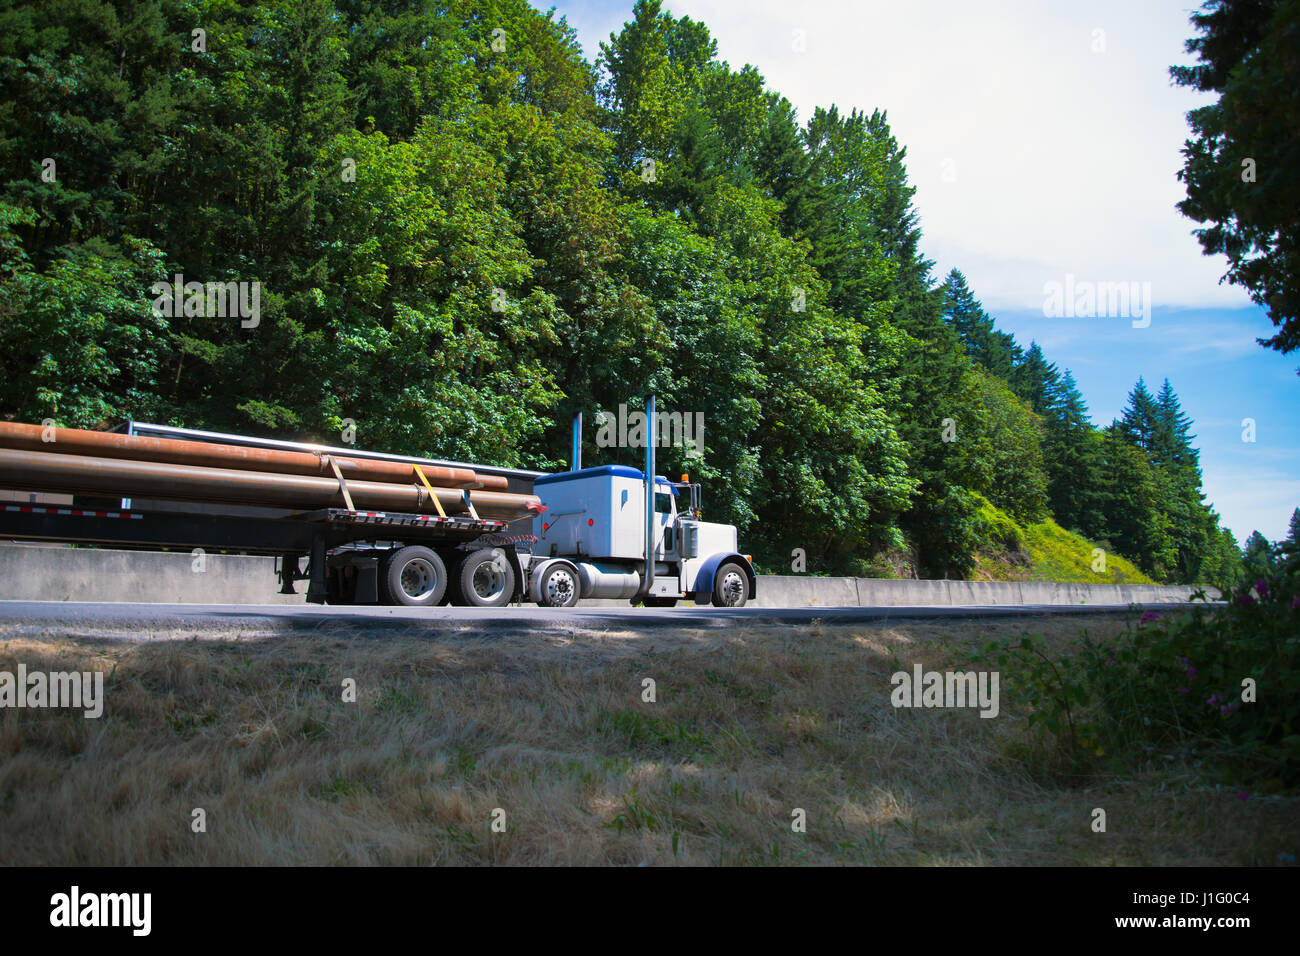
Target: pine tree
[961,309]
[1133,495]
[1171,441]
[847,166]
[1159,428]
[1257,557]
[993,350]
[1073,455]
[1137,423]
[689,179]
[935,379]
[783,166]
[1073,409]
[1293,532]
[1220,563]
[1038,382]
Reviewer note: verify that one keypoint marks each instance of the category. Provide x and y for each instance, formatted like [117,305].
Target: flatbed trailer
[347,551]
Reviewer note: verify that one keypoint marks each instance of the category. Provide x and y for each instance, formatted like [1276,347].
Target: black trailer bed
[287,536]
[290,534]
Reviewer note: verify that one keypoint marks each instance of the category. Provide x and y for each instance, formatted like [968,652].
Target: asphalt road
[311,617]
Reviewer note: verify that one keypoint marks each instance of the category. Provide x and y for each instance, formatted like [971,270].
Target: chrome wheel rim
[489,580]
[560,588]
[733,588]
[419,579]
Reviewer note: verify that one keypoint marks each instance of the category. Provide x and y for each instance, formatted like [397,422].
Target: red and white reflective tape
[434,519]
[72,512]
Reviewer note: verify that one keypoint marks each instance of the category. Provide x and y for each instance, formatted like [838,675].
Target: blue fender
[704,579]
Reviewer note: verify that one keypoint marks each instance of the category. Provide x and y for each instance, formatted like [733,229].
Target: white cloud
[1222,347]
[1254,499]
[1065,158]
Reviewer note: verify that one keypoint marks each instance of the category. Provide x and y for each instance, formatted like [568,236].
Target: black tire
[559,587]
[412,577]
[661,602]
[730,586]
[486,579]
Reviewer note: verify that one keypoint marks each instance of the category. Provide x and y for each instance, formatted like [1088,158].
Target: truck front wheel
[486,579]
[730,586]
[558,587]
[412,577]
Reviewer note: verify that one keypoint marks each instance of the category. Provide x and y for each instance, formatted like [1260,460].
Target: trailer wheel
[558,587]
[413,577]
[486,579]
[730,586]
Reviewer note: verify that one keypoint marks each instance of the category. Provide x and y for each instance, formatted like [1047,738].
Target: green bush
[997,529]
[1044,551]
[1220,682]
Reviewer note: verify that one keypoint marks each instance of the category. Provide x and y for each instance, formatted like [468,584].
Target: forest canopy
[463,232]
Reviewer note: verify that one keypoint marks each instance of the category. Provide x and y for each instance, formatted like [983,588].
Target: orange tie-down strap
[436,503]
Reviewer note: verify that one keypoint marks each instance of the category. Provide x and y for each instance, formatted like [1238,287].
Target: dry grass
[749,725]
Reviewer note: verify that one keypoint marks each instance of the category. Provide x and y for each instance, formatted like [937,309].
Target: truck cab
[591,543]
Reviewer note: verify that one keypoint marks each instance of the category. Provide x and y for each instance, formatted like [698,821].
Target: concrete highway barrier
[803,591]
[32,572]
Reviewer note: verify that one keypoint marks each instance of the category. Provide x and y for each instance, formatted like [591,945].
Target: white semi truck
[598,532]
[592,543]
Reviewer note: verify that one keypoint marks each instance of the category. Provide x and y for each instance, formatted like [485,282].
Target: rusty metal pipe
[78,474]
[75,441]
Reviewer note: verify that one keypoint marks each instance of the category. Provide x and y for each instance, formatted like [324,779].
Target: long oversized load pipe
[75,441]
[78,474]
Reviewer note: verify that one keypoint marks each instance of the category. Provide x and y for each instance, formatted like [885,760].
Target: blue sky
[1043,139]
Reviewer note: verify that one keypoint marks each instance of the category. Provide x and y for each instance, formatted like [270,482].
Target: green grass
[452,728]
[1044,551]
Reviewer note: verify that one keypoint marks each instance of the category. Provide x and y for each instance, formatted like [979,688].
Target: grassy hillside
[1044,551]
